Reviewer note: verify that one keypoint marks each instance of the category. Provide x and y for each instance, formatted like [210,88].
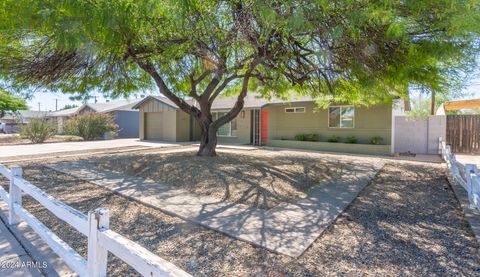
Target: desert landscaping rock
[406,222]
[288,229]
[260,179]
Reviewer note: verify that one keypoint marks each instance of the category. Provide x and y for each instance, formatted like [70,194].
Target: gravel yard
[261,179]
[406,222]
[14,139]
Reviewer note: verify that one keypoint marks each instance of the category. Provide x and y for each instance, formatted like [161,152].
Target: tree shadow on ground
[254,180]
[406,222]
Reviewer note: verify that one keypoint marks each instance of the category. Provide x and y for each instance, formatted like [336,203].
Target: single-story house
[276,123]
[22,116]
[124,116]
[11,121]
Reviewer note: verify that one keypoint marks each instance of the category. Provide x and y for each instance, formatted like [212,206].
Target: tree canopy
[10,103]
[356,51]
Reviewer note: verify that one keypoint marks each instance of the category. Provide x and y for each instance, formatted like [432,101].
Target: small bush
[376,140]
[307,137]
[90,126]
[312,137]
[38,130]
[333,139]
[351,139]
[300,137]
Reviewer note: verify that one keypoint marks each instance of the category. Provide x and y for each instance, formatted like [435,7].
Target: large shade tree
[358,51]
[10,103]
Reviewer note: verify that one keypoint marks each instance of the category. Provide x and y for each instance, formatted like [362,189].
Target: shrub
[307,137]
[351,139]
[300,137]
[312,137]
[376,140]
[38,130]
[90,126]
[333,139]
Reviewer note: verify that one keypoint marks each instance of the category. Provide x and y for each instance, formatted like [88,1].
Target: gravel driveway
[406,222]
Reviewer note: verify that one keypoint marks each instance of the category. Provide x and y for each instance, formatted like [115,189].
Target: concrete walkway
[14,260]
[468,159]
[75,146]
[288,228]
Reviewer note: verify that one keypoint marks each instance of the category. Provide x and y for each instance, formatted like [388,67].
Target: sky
[51,101]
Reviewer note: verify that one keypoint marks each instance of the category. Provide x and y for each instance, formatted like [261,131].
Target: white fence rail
[466,175]
[95,226]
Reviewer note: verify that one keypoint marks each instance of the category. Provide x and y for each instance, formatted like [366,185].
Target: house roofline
[148,98]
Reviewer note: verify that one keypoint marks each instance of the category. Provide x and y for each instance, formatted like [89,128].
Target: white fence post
[469,170]
[15,195]
[440,146]
[97,255]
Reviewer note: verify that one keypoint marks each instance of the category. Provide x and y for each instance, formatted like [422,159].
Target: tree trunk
[208,142]
[432,104]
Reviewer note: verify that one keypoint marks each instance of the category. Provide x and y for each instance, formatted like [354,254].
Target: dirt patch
[407,222]
[254,178]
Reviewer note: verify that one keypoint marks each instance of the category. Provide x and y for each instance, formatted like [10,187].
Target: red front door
[264,131]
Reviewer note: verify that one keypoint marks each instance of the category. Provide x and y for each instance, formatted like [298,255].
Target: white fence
[466,175]
[95,226]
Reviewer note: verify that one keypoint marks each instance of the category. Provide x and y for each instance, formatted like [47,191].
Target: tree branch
[150,69]
[240,99]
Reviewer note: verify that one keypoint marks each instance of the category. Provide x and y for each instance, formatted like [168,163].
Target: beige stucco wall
[183,126]
[369,122]
[243,129]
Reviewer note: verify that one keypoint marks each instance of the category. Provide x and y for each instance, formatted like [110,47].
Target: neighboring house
[274,123]
[22,116]
[11,121]
[124,116]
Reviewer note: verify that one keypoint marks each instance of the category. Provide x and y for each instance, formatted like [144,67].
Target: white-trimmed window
[229,129]
[295,110]
[341,117]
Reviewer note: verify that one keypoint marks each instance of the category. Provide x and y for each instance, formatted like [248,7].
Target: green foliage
[10,103]
[420,109]
[38,130]
[90,126]
[307,137]
[69,106]
[351,139]
[300,137]
[360,52]
[466,111]
[375,140]
[312,137]
[334,139]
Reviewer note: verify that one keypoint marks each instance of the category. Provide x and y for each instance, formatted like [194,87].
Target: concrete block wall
[419,136]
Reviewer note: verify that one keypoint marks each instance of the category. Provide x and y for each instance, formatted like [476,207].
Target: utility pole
[38,106]
[56,104]
[432,104]
[95,99]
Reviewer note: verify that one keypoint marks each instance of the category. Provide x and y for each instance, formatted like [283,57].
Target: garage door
[153,126]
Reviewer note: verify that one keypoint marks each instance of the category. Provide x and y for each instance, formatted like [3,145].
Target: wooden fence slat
[463,133]
[101,240]
[72,258]
[144,261]
[66,213]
